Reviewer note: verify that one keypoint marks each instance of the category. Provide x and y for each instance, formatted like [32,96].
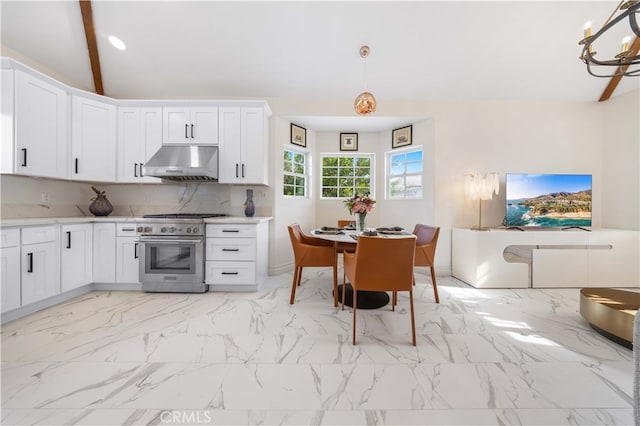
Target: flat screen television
[548,200]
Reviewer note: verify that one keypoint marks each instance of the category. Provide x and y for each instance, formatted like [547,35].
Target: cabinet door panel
[254,162]
[104,252]
[175,124]
[40,127]
[10,278]
[205,125]
[229,146]
[151,137]
[129,142]
[127,260]
[93,140]
[40,272]
[76,256]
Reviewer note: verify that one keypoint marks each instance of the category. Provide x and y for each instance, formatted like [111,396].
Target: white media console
[501,258]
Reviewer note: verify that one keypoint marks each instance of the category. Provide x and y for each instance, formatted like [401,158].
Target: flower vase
[361,222]
[249,207]
[100,206]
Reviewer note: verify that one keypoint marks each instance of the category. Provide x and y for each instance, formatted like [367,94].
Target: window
[296,173]
[345,175]
[404,174]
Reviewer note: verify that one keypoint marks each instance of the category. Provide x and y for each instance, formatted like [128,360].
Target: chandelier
[365,103]
[627,62]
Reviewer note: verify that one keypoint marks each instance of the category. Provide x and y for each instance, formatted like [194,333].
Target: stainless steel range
[172,252]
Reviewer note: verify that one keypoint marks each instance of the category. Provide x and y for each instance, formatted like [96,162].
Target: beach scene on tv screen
[548,200]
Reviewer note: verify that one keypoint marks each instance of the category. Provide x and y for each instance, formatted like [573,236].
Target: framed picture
[298,135]
[348,141]
[401,137]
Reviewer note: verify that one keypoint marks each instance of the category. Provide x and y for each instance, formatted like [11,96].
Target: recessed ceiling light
[117,43]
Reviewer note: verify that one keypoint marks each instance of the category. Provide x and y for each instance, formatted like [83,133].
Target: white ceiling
[500,50]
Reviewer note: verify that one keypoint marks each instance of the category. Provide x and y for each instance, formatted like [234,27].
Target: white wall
[621,159]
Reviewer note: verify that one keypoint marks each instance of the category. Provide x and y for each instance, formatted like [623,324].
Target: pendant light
[365,103]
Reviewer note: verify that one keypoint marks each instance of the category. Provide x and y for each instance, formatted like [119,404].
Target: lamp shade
[365,103]
[479,187]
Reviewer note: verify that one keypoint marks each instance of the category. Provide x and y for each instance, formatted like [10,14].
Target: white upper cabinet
[243,139]
[93,140]
[139,137]
[190,125]
[39,144]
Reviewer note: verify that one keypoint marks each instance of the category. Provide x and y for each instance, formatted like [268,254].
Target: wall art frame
[402,136]
[348,141]
[298,135]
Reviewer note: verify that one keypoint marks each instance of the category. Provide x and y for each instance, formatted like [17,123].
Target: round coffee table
[611,312]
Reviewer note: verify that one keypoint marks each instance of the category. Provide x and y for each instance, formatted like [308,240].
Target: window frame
[306,175]
[388,176]
[372,169]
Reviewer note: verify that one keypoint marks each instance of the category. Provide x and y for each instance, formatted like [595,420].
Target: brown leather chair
[381,264]
[427,240]
[312,252]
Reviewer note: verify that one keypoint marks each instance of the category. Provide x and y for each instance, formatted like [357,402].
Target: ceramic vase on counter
[249,207]
[100,206]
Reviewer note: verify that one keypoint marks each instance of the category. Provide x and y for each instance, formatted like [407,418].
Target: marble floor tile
[483,356]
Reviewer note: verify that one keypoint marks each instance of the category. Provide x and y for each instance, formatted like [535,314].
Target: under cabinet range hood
[184,163]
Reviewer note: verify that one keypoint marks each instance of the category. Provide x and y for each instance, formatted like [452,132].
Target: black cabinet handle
[30,267]
[141,175]
[236,169]
[24,157]
[68,239]
[242,169]
[230,230]
[192,132]
[228,249]
[135,169]
[186,128]
[135,251]
[76,165]
[229,273]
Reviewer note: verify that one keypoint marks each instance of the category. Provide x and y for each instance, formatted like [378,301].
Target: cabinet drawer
[231,231]
[38,234]
[232,249]
[230,272]
[9,237]
[126,230]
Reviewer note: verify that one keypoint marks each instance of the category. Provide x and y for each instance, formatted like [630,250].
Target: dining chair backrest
[426,241]
[343,223]
[384,264]
[311,252]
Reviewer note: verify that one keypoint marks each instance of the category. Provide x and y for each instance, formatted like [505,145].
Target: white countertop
[116,219]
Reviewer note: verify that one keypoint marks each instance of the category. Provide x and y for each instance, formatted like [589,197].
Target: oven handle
[154,240]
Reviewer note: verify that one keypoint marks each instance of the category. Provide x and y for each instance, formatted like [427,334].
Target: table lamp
[479,187]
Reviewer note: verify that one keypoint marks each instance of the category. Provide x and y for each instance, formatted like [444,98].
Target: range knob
[188,230]
[139,229]
[147,229]
[163,229]
[195,229]
[172,229]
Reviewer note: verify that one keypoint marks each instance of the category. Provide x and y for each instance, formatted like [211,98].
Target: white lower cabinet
[104,252]
[236,256]
[127,255]
[76,256]
[40,263]
[10,269]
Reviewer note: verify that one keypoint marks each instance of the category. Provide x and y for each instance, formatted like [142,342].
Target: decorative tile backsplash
[28,197]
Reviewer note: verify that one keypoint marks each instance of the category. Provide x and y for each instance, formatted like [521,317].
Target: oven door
[172,264]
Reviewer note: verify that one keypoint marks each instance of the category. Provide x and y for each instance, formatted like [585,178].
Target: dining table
[340,237]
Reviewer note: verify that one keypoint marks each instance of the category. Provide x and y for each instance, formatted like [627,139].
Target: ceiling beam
[613,83]
[92,45]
